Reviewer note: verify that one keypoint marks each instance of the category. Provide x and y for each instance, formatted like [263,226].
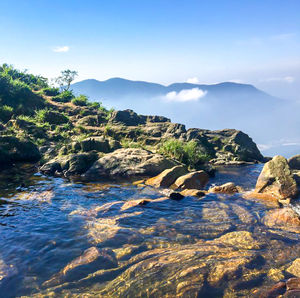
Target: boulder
[167,177]
[13,149]
[127,117]
[98,144]
[193,180]
[276,180]
[54,117]
[294,162]
[128,162]
[74,164]
[228,188]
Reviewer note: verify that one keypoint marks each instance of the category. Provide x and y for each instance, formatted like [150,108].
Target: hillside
[63,127]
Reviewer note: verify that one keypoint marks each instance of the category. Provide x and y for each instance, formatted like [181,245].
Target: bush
[188,153]
[6,113]
[64,96]
[49,91]
[80,100]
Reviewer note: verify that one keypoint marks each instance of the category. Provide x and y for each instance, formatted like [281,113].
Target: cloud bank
[287,79]
[193,80]
[185,95]
[62,49]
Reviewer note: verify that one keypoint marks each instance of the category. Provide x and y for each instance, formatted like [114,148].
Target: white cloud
[62,49]
[193,80]
[287,79]
[185,95]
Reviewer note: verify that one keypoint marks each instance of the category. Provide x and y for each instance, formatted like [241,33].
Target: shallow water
[48,222]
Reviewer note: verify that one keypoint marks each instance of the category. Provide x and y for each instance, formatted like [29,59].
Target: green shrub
[94,105]
[50,91]
[64,96]
[188,153]
[51,117]
[128,143]
[80,100]
[6,113]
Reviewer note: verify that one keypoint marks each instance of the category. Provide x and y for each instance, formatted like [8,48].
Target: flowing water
[165,246]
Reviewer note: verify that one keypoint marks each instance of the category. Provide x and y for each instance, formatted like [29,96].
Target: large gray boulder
[13,149]
[294,162]
[129,162]
[276,180]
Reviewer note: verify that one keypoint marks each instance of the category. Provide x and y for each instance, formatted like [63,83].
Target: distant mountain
[118,88]
[267,119]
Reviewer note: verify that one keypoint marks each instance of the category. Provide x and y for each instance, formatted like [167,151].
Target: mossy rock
[54,117]
[13,150]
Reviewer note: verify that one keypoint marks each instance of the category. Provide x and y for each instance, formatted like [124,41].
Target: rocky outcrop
[167,177]
[276,180]
[14,150]
[294,162]
[129,162]
[193,180]
[228,188]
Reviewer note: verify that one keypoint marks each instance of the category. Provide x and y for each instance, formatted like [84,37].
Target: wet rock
[284,218]
[134,203]
[276,180]
[167,177]
[193,193]
[91,260]
[240,239]
[73,164]
[275,274]
[277,290]
[13,150]
[129,162]
[294,268]
[294,162]
[194,180]
[6,270]
[243,214]
[292,294]
[228,188]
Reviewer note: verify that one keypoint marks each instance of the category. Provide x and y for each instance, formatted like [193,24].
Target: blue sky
[251,41]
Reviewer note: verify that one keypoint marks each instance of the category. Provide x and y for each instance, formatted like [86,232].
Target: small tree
[66,78]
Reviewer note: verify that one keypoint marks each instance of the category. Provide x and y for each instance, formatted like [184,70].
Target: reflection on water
[67,237]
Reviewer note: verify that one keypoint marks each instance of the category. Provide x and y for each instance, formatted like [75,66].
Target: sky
[163,41]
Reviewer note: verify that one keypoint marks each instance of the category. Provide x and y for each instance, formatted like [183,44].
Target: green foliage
[188,153]
[66,78]
[6,113]
[35,82]
[94,105]
[80,100]
[64,96]
[50,91]
[128,143]
[16,90]
[51,117]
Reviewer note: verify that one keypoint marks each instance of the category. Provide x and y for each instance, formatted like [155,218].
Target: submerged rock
[91,260]
[276,180]
[228,188]
[194,180]
[167,177]
[285,218]
[129,162]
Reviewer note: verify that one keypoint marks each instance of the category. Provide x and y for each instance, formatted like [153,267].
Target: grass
[188,153]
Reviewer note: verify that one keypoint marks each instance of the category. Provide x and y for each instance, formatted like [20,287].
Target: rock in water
[194,180]
[167,177]
[294,162]
[129,162]
[91,260]
[276,180]
[228,188]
